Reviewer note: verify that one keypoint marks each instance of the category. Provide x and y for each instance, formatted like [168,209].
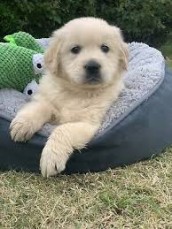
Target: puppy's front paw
[52,161]
[21,129]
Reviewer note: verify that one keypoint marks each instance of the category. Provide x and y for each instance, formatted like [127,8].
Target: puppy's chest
[77,109]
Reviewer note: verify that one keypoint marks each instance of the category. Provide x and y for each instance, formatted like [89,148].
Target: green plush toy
[21,61]
[24,40]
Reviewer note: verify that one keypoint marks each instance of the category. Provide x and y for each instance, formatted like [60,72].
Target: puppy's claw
[20,130]
[51,162]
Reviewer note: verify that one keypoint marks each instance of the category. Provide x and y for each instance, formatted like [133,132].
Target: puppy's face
[87,52]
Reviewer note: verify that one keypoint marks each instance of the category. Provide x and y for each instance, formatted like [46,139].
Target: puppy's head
[87,51]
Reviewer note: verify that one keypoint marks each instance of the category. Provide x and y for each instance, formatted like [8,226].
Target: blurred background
[148,21]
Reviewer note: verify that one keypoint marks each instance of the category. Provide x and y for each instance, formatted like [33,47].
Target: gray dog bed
[136,127]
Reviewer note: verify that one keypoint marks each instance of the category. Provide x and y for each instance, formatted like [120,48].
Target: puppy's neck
[56,88]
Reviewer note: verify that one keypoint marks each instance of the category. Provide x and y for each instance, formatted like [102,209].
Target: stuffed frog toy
[21,61]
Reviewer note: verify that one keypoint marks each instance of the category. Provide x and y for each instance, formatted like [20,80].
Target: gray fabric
[145,73]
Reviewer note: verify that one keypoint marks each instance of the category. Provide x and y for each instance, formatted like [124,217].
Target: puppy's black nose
[92,67]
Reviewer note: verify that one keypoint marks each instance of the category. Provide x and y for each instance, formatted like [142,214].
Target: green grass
[138,196]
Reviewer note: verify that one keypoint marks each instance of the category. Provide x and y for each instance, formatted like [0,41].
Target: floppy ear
[52,54]
[124,54]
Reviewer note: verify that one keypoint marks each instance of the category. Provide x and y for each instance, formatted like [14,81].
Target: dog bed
[136,127]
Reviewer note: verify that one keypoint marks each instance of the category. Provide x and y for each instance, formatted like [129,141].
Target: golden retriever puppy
[84,65]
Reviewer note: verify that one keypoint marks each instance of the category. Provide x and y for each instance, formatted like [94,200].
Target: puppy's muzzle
[92,69]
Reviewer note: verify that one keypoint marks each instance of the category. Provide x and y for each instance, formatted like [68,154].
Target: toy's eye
[76,49]
[39,65]
[29,92]
[104,48]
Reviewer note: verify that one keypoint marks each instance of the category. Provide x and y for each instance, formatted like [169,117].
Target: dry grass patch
[138,196]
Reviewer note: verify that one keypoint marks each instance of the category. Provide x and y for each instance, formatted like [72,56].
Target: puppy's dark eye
[104,48]
[76,49]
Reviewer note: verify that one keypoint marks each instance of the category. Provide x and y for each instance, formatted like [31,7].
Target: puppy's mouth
[93,79]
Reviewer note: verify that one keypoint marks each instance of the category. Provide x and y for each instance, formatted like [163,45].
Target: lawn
[136,197]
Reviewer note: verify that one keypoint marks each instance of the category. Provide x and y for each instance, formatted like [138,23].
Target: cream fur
[64,98]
